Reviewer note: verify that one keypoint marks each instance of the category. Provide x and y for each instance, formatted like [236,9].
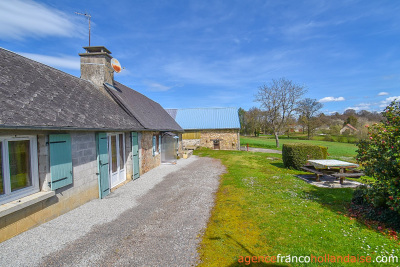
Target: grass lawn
[336,150]
[263,209]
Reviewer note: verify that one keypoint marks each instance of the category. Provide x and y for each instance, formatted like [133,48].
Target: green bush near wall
[295,155]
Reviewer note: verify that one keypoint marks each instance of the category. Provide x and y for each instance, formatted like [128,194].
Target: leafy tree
[352,120]
[279,99]
[308,108]
[380,157]
[254,121]
[242,114]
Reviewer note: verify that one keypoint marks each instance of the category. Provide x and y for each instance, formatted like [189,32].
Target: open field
[263,209]
[342,151]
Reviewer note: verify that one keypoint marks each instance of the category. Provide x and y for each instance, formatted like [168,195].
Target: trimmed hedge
[296,155]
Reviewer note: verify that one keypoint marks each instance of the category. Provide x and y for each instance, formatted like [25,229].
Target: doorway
[116,154]
[216,144]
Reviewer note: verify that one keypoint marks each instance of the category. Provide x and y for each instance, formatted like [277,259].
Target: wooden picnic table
[337,168]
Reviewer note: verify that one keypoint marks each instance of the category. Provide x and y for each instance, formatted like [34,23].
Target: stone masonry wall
[147,160]
[229,139]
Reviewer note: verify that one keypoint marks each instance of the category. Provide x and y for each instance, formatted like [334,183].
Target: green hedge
[295,155]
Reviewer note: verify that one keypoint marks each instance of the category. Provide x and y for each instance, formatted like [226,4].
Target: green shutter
[60,160]
[102,164]
[135,155]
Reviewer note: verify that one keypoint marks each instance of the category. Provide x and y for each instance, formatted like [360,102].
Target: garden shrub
[329,138]
[295,155]
[324,151]
[368,204]
[379,155]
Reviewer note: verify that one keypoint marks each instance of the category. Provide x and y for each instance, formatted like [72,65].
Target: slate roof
[206,118]
[33,95]
[148,112]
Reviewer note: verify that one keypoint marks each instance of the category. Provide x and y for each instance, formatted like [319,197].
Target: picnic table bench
[337,168]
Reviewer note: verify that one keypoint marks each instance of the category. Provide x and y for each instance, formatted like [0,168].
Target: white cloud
[233,71]
[23,18]
[383,93]
[157,87]
[331,99]
[388,100]
[67,62]
[361,106]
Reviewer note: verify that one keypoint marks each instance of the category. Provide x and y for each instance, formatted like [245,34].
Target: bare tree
[279,99]
[307,109]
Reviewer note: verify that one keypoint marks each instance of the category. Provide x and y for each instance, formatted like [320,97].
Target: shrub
[380,157]
[367,203]
[295,155]
[324,151]
[329,138]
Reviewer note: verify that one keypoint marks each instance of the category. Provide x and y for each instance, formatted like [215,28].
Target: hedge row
[296,155]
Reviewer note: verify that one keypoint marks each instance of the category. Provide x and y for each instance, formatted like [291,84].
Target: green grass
[343,151]
[263,209]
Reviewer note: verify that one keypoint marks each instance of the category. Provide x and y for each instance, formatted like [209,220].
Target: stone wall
[191,143]
[229,139]
[147,160]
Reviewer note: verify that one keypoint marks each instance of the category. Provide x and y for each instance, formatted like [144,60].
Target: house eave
[57,128]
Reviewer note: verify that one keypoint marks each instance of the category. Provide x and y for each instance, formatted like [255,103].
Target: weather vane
[88,16]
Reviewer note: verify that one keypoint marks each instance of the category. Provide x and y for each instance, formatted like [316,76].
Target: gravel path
[153,221]
[264,150]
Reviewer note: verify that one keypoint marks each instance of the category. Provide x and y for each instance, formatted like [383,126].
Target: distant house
[349,129]
[66,140]
[215,128]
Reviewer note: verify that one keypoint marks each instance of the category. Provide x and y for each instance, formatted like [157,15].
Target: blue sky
[204,53]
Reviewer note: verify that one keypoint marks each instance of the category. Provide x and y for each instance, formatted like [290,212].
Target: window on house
[117,159]
[18,167]
[156,144]
[1,171]
[121,150]
[114,153]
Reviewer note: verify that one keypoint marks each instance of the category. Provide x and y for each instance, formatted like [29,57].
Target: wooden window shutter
[60,160]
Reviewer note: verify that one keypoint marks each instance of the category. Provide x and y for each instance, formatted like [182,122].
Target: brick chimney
[96,65]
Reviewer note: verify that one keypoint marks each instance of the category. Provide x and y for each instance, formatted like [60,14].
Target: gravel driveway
[156,220]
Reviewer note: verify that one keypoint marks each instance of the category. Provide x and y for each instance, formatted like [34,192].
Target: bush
[380,157]
[324,151]
[329,138]
[369,204]
[296,155]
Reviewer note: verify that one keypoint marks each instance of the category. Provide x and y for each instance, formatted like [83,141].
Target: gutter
[55,128]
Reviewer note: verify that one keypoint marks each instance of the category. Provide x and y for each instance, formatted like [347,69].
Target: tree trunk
[308,132]
[277,140]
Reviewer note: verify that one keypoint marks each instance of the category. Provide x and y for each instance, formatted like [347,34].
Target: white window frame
[118,160]
[34,188]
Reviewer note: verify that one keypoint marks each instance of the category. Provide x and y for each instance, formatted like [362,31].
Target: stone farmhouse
[66,140]
[215,128]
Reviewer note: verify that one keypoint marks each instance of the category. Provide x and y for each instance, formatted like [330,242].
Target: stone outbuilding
[66,140]
[215,128]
